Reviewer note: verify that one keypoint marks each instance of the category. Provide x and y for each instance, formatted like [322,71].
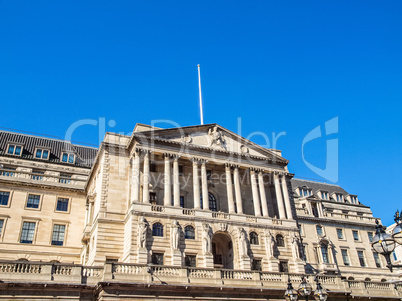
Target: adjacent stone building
[191,212]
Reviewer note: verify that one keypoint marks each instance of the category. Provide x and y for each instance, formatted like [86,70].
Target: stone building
[191,212]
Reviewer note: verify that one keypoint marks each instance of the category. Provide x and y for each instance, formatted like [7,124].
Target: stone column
[264,203]
[204,183]
[145,182]
[176,182]
[167,200]
[135,178]
[256,198]
[279,200]
[286,198]
[196,185]
[239,202]
[229,188]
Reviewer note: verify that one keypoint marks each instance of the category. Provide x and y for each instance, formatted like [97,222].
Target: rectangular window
[360,254]
[345,257]
[28,231]
[315,209]
[33,201]
[182,201]
[152,167]
[4,197]
[319,230]
[152,197]
[65,178]
[8,171]
[157,258]
[340,233]
[324,252]
[62,204]
[14,149]
[37,174]
[256,265]
[355,235]
[181,170]
[339,197]
[58,235]
[68,158]
[377,260]
[353,199]
[1,227]
[283,267]
[42,154]
[324,195]
[190,261]
[305,192]
[370,236]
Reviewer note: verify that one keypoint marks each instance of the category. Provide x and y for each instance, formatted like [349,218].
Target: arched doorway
[222,249]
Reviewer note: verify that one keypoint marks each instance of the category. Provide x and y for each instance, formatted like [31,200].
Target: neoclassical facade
[191,212]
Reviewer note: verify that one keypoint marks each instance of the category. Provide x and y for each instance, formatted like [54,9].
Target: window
[4,197]
[14,149]
[361,258]
[370,236]
[345,257]
[279,241]
[212,202]
[319,230]
[324,195]
[355,235]
[300,229]
[190,261]
[182,201]
[7,171]
[1,227]
[27,233]
[37,174]
[68,158]
[339,197]
[283,267]
[62,204]
[152,167]
[189,232]
[65,178]
[340,233]
[157,258]
[33,201]
[305,191]
[353,199]
[42,154]
[315,209]
[256,265]
[58,235]
[324,252]
[253,238]
[157,229]
[394,255]
[152,197]
[181,170]
[377,260]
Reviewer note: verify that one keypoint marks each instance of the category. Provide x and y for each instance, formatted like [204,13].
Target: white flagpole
[199,87]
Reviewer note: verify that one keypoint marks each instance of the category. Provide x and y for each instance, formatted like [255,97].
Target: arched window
[383,280]
[212,202]
[351,278]
[279,241]
[189,232]
[367,279]
[254,238]
[324,252]
[157,229]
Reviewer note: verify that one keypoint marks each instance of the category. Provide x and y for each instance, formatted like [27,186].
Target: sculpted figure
[142,232]
[295,247]
[206,238]
[175,235]
[242,243]
[270,242]
[216,137]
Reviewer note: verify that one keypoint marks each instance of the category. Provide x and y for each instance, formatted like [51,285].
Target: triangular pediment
[211,136]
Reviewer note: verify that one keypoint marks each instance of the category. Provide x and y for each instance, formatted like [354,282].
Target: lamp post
[384,244]
[304,290]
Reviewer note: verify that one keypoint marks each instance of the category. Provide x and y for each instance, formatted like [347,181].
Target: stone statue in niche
[175,235]
[295,247]
[206,238]
[270,242]
[142,232]
[216,137]
[242,243]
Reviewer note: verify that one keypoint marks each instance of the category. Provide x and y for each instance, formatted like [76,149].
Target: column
[135,178]
[262,194]
[229,188]
[167,200]
[286,198]
[204,183]
[196,185]
[256,198]
[145,182]
[239,202]
[279,200]
[176,182]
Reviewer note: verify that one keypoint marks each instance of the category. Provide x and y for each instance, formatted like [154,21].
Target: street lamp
[290,293]
[320,293]
[304,290]
[397,233]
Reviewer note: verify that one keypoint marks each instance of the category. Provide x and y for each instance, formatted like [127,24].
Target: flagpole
[199,88]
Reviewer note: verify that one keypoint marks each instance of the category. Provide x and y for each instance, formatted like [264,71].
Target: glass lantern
[382,243]
[290,293]
[304,289]
[397,234]
[320,294]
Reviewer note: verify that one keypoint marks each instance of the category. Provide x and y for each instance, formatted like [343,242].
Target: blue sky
[280,66]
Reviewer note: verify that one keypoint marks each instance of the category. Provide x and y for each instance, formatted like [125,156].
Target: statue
[216,137]
[142,232]
[270,242]
[242,243]
[175,235]
[295,247]
[206,238]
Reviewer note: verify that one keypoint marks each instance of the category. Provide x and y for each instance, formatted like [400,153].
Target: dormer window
[353,199]
[304,191]
[14,149]
[68,158]
[324,195]
[42,153]
[339,197]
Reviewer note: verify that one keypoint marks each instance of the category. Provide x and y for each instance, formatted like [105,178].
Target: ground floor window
[283,267]
[157,258]
[256,265]
[190,261]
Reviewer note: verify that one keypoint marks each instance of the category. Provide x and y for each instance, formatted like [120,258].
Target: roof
[85,155]
[315,186]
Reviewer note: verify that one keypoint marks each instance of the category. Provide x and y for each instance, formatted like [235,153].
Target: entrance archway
[222,249]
